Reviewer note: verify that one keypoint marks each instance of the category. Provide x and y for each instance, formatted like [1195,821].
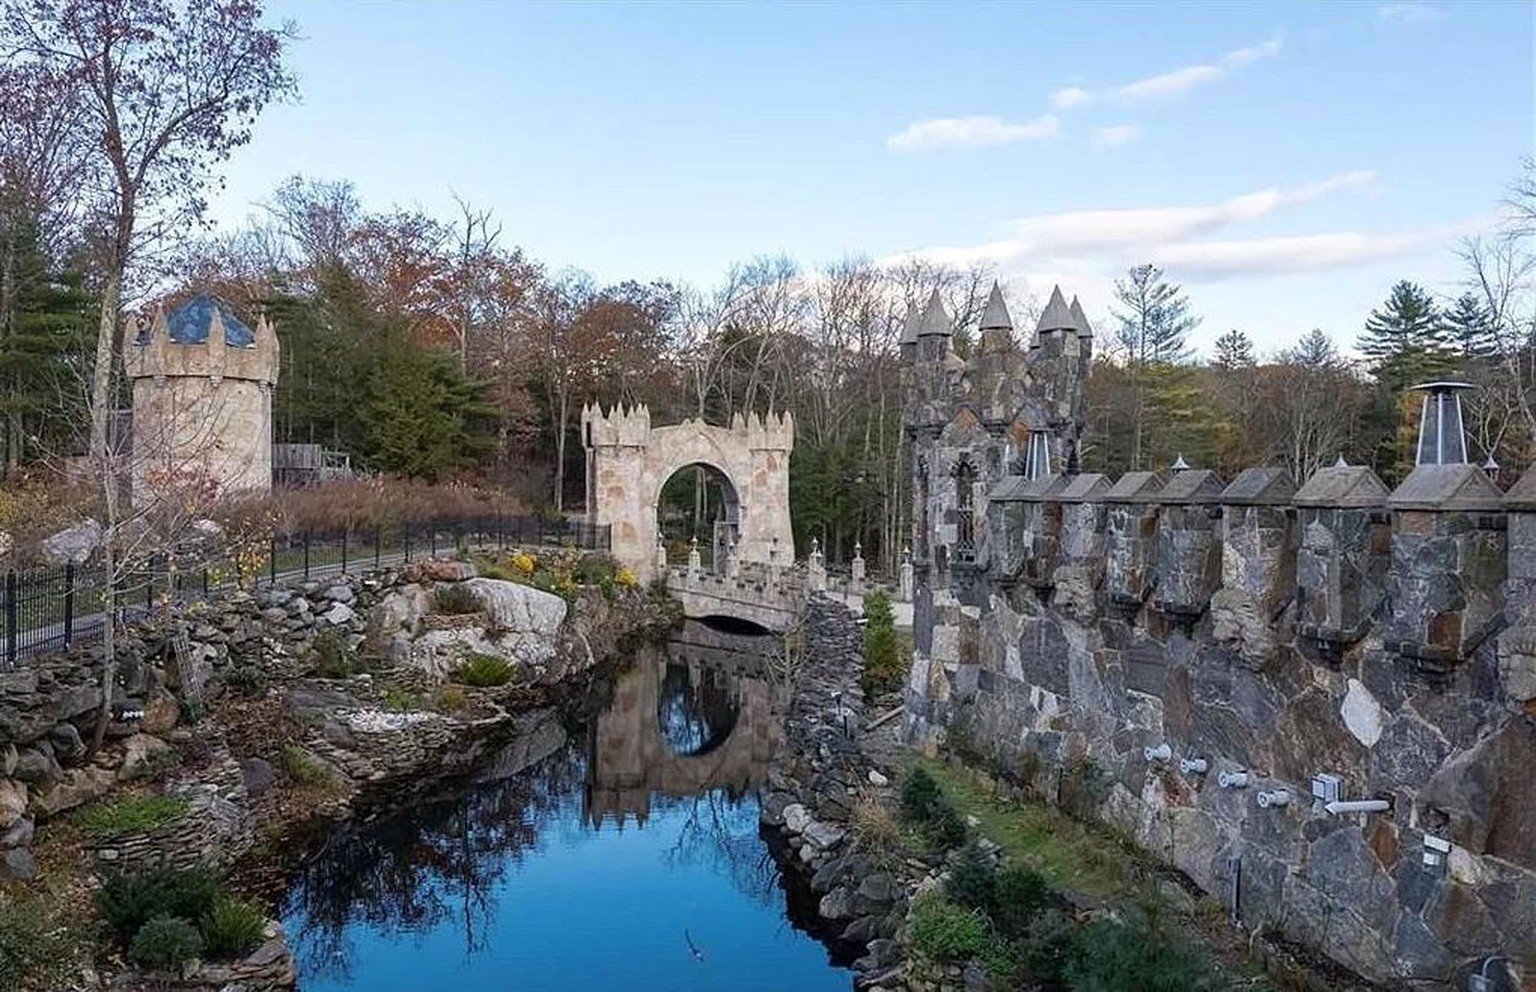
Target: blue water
[542,880]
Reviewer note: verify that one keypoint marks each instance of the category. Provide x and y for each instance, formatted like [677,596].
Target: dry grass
[362,504]
[877,831]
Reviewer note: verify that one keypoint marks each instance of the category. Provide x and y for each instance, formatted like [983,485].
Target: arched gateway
[629,461]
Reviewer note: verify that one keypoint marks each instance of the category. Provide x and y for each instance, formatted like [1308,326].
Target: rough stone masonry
[1319,702]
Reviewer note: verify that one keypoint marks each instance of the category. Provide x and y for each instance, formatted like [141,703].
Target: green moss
[133,815]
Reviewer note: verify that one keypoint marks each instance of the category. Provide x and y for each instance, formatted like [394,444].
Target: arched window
[965,510]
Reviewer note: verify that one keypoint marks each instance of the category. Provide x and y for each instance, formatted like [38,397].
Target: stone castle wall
[1382,643]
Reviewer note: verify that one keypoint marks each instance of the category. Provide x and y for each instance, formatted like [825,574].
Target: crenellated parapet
[619,427]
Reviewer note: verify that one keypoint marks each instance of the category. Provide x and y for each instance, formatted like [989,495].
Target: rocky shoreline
[816,788]
[256,723]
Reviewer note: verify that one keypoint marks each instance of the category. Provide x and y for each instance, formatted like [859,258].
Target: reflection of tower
[202,400]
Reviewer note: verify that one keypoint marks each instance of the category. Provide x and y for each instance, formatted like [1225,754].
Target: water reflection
[618,849]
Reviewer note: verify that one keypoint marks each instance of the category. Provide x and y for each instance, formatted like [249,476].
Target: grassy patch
[398,699]
[1070,854]
[133,815]
[946,931]
[484,671]
[34,951]
[304,768]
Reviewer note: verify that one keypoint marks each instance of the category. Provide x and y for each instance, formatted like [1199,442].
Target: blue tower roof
[190,323]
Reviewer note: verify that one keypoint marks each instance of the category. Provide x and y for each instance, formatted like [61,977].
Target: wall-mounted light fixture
[1193,766]
[1340,807]
[1274,798]
[1233,780]
[1327,788]
[1436,851]
[1160,753]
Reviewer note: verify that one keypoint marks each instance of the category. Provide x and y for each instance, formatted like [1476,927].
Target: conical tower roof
[1057,315]
[935,322]
[909,326]
[1084,330]
[995,316]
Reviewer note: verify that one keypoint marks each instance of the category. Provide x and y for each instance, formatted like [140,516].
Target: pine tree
[1314,350]
[1405,339]
[1234,350]
[1155,322]
[1469,325]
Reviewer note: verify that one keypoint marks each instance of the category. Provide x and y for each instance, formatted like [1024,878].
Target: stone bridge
[769,597]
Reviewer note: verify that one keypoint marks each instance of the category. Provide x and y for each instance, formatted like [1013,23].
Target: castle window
[1037,459]
[965,511]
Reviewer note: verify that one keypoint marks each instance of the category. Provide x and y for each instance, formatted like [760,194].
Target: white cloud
[1213,260]
[1173,83]
[1409,15]
[1115,135]
[1152,226]
[976,131]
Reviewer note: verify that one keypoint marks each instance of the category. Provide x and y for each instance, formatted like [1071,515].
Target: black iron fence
[48,609]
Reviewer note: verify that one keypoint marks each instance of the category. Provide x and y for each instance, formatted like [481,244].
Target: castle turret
[202,400]
[996,326]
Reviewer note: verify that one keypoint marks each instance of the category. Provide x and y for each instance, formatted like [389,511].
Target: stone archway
[628,462]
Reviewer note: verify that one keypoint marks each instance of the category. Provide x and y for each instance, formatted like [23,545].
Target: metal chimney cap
[1442,386]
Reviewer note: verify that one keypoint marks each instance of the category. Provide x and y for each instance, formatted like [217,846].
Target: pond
[618,850]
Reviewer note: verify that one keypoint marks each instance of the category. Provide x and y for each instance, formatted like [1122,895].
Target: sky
[1284,163]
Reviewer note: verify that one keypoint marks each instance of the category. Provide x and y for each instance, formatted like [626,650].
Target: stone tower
[202,400]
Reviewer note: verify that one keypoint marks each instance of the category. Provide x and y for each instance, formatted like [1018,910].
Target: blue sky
[1284,162]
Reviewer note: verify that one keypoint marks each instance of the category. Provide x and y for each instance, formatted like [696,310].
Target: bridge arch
[629,461]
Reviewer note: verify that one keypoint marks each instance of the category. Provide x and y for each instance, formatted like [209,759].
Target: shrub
[455,598]
[945,827]
[973,880]
[1117,956]
[625,579]
[449,699]
[875,829]
[304,768]
[484,671]
[127,902]
[524,563]
[246,681]
[133,815]
[491,569]
[232,927]
[30,947]
[1021,895]
[943,931]
[399,700]
[332,659]
[919,793]
[166,942]
[595,569]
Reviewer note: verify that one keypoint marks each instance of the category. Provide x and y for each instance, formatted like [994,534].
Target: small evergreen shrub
[884,669]
[127,902]
[454,598]
[944,931]
[232,927]
[945,827]
[972,880]
[1119,956]
[1021,894]
[919,793]
[133,815]
[166,942]
[484,671]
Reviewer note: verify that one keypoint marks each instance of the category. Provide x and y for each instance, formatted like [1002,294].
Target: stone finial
[1179,464]
[695,562]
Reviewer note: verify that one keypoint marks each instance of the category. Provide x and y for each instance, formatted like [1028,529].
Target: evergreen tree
[423,417]
[1405,339]
[1155,322]
[1234,350]
[1469,325]
[1314,350]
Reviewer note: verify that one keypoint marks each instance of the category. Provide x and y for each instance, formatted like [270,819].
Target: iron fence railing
[56,608]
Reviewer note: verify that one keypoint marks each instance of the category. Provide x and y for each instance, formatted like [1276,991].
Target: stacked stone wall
[1159,638]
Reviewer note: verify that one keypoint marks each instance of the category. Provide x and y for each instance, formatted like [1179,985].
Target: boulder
[19,864]
[162,711]
[143,755]
[80,786]
[37,765]
[339,614]
[257,776]
[340,593]
[796,819]
[439,570]
[20,833]
[13,802]
[73,544]
[516,607]
[66,740]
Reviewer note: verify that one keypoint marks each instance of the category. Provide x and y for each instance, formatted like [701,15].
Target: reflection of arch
[632,759]
[628,463]
[696,708]
[720,527]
